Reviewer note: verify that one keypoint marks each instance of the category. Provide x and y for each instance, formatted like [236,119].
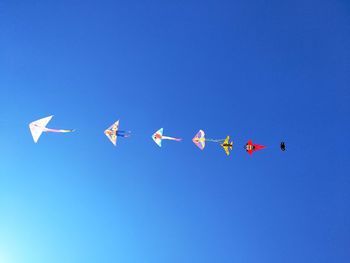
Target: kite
[39,126]
[158,137]
[113,132]
[199,140]
[227,145]
[283,146]
[250,147]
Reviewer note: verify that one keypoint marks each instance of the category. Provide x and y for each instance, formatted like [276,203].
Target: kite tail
[61,131]
[171,138]
[124,133]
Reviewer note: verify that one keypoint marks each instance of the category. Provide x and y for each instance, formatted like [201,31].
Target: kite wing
[38,127]
[199,139]
[226,150]
[111,132]
[114,127]
[158,136]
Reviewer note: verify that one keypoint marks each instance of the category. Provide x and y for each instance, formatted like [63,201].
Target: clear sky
[262,70]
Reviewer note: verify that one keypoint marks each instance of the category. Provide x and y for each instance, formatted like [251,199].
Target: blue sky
[261,70]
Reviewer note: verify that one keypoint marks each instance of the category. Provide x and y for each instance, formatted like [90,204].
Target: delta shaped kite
[113,132]
[158,137]
[251,147]
[199,140]
[39,126]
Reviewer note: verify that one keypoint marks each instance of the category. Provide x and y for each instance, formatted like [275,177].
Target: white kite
[39,126]
[113,132]
[158,137]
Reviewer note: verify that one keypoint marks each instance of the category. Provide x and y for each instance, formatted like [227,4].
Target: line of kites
[113,132]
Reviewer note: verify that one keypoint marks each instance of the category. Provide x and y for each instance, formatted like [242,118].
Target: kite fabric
[113,132]
[158,137]
[227,145]
[39,126]
[252,147]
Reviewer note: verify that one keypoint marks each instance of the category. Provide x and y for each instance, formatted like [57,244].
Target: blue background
[256,69]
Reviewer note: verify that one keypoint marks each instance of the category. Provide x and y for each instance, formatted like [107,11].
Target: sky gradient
[261,70]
